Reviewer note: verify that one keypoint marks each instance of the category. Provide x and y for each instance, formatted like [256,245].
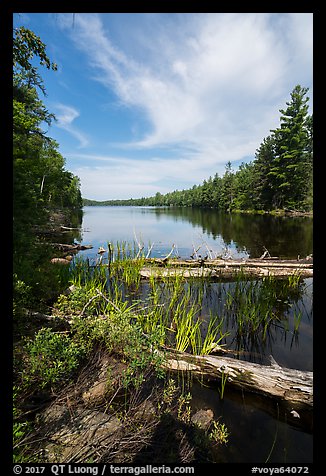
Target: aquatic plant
[224,378]
[219,433]
[211,339]
[178,309]
[257,304]
[297,316]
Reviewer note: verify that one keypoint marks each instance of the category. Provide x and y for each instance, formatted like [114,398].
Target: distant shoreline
[285,213]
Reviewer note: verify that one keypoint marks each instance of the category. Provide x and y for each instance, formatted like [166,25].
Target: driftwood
[72,248]
[292,389]
[69,228]
[215,268]
[60,261]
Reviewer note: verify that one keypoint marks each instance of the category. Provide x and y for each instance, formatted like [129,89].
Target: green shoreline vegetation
[106,310]
[68,321]
[278,181]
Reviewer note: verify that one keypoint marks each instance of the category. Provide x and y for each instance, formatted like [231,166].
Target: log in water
[215,268]
[292,389]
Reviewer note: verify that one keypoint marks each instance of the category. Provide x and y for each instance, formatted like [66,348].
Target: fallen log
[223,272]
[227,263]
[289,386]
[216,268]
[67,247]
[69,228]
[60,261]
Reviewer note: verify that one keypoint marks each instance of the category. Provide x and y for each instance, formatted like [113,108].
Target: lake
[257,435]
[186,228]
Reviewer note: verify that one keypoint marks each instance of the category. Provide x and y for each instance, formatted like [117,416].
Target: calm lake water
[258,433]
[186,228]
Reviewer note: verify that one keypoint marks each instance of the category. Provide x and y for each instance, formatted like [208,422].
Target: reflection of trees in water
[283,236]
[257,316]
[73,218]
[272,303]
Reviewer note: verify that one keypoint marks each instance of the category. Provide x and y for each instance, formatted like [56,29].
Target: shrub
[51,357]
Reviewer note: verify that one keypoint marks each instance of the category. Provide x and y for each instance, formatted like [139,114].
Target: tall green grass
[179,310]
[256,305]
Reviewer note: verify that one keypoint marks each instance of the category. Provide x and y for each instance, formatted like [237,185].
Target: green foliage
[280,177]
[51,358]
[293,153]
[109,323]
[219,433]
[40,181]
[26,44]
[39,177]
[22,296]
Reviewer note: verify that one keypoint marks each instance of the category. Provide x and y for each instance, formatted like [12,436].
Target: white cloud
[229,62]
[209,84]
[65,117]
[123,177]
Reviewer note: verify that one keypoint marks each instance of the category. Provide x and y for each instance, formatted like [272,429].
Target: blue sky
[153,102]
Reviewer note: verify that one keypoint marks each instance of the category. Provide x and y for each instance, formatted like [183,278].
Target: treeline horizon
[279,178]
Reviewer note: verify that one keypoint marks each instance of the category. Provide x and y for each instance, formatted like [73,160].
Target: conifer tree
[291,168]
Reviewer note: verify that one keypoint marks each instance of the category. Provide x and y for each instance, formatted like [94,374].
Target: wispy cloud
[210,85]
[230,63]
[65,117]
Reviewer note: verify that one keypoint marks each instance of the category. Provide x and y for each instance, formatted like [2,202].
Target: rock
[146,411]
[60,261]
[71,431]
[107,380]
[203,418]
[96,393]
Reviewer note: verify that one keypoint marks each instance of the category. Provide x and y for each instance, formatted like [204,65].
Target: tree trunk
[216,268]
[288,386]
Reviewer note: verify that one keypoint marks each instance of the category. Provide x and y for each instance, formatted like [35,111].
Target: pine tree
[291,169]
[227,192]
[265,179]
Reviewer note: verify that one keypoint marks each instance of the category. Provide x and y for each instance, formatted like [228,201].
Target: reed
[297,316]
[186,326]
[173,307]
[213,337]
[258,304]
[223,383]
[84,275]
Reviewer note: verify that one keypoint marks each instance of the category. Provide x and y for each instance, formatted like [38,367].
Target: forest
[42,186]
[41,182]
[279,178]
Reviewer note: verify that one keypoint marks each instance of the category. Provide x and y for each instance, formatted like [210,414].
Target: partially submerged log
[216,268]
[291,387]
[71,248]
[228,263]
[69,228]
[60,261]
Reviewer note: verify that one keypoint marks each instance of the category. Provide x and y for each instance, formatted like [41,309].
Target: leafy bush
[51,358]
[21,296]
